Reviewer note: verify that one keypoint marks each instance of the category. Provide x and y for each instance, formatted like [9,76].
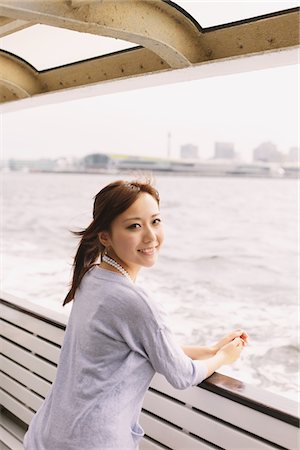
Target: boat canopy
[157,37]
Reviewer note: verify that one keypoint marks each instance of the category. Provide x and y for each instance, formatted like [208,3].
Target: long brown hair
[110,202]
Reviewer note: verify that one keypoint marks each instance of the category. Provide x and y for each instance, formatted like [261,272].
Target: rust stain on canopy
[167,38]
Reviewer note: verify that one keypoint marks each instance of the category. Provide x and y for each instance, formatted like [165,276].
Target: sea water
[229,259]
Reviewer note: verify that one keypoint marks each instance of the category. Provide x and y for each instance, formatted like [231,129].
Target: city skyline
[267,162]
[190,151]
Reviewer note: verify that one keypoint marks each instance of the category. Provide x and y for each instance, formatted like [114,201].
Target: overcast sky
[245,109]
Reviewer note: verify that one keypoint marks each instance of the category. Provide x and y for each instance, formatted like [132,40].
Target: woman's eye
[134,226]
[156,221]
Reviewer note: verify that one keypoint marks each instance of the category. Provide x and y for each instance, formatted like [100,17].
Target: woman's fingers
[242,334]
[238,333]
[239,343]
[233,335]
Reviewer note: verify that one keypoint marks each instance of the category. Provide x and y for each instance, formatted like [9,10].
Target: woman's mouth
[148,251]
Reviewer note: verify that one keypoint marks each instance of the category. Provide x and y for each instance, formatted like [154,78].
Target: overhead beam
[17,79]
[268,33]
[9,26]
[22,80]
[167,77]
[5,20]
[153,24]
[136,61]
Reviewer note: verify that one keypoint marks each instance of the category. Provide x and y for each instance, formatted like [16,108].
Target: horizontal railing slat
[9,441]
[33,324]
[261,400]
[20,392]
[146,444]
[255,422]
[16,407]
[170,436]
[27,359]
[24,376]
[201,425]
[9,424]
[28,340]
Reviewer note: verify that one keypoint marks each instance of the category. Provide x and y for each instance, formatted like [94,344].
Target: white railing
[219,413]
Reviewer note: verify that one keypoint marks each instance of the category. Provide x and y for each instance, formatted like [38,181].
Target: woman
[116,338]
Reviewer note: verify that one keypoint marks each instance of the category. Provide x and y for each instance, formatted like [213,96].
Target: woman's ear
[104,238]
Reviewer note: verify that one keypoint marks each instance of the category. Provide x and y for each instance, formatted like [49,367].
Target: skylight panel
[213,13]
[45,47]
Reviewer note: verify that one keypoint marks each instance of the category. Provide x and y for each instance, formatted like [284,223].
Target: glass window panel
[45,47]
[213,13]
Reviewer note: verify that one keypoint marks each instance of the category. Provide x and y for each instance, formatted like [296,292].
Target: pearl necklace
[117,266]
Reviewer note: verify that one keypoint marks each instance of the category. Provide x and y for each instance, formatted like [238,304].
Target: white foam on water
[229,260]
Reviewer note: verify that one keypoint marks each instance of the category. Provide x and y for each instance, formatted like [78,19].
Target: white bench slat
[16,407]
[15,389]
[170,436]
[24,376]
[28,360]
[246,418]
[10,441]
[146,444]
[200,424]
[267,427]
[30,341]
[2,445]
[11,426]
[33,324]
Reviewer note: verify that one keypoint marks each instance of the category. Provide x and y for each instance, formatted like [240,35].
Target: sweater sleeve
[145,332]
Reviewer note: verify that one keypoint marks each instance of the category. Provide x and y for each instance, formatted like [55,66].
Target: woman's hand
[231,352]
[227,354]
[196,352]
[239,333]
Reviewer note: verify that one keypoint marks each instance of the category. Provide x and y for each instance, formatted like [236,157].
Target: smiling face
[136,235]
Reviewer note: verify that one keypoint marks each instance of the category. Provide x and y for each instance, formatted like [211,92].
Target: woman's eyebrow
[139,218]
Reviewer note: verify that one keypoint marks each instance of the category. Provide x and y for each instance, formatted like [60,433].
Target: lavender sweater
[114,343]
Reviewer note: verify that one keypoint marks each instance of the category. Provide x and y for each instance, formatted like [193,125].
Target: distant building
[43,165]
[189,151]
[293,155]
[141,163]
[68,164]
[224,150]
[267,152]
[97,161]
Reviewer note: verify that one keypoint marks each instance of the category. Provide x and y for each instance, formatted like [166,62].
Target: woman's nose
[149,235]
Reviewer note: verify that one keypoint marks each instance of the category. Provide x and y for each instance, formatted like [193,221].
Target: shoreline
[161,173]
